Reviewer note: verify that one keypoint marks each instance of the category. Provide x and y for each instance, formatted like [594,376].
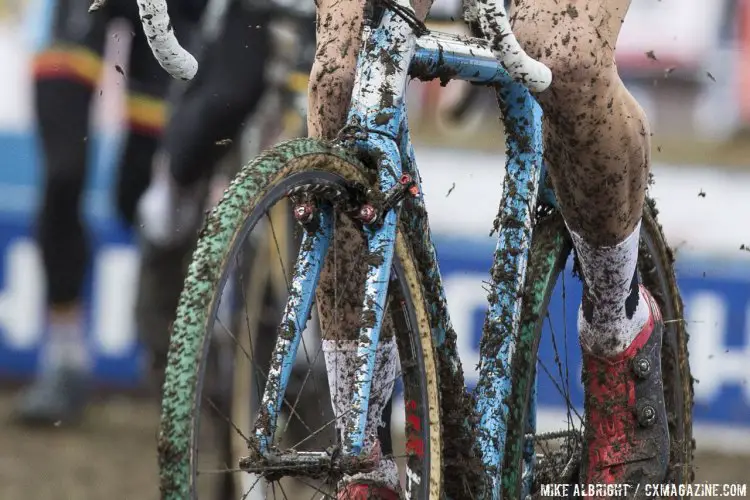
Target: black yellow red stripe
[297,81]
[71,62]
[146,114]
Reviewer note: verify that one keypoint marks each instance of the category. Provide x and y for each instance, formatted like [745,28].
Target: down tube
[523,127]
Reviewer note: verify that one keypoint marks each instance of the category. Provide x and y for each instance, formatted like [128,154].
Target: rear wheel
[548,310]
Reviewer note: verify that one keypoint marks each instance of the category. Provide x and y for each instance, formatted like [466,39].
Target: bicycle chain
[555,435]
[557,466]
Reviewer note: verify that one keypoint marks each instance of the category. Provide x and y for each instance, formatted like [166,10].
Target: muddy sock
[66,346]
[612,311]
[341,361]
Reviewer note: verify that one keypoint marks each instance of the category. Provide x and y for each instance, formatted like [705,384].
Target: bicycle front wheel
[547,302]
[327,173]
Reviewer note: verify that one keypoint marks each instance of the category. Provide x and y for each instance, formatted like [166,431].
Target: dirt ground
[112,456]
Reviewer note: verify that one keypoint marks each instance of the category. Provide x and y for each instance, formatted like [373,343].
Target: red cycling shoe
[626,437]
[374,487]
[361,491]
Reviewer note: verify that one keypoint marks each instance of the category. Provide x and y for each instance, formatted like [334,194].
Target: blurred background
[686,61]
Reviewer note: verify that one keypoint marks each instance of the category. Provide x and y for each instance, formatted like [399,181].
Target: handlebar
[489,15]
[492,20]
[177,61]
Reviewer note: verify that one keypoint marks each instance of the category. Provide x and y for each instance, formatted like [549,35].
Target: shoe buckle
[641,367]
[646,413]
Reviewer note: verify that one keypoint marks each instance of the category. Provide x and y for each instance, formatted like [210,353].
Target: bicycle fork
[377,128]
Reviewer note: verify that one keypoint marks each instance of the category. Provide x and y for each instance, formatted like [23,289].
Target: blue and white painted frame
[390,53]
[378,106]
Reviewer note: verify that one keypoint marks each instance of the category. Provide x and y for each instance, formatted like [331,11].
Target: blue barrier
[717,305]
[716,294]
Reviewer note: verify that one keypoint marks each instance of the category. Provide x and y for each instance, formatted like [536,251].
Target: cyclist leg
[146,110]
[231,86]
[213,107]
[597,142]
[66,71]
[339,30]
[146,114]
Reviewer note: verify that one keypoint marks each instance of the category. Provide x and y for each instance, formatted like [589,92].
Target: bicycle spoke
[557,386]
[278,251]
[247,324]
[565,346]
[302,387]
[247,355]
[333,420]
[252,487]
[286,401]
[557,358]
[564,386]
[314,492]
[233,337]
[282,490]
[563,381]
[317,490]
[220,471]
[229,421]
[311,369]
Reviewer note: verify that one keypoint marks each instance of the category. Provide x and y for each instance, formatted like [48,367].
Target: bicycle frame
[390,52]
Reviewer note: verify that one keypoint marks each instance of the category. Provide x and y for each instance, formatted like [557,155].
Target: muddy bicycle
[457,445]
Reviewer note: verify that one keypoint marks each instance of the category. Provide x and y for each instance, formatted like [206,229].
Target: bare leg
[597,143]
[332,78]
[598,149]
[590,115]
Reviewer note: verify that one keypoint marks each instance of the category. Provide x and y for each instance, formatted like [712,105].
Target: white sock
[66,347]
[341,362]
[608,327]
[168,214]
